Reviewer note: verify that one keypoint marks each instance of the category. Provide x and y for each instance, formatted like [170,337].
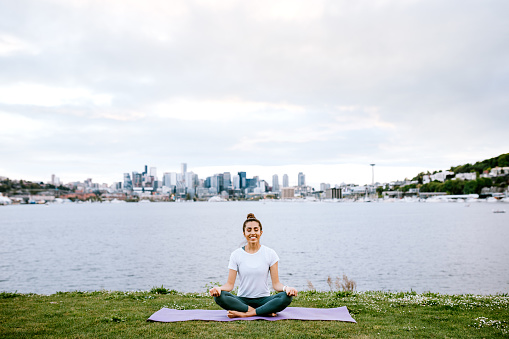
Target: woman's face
[252,232]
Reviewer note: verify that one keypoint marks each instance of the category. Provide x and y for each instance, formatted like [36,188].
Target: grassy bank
[379,314]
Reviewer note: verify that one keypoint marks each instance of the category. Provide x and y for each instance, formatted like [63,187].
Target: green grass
[378,314]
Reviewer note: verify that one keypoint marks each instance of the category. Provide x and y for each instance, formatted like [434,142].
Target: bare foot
[236,314]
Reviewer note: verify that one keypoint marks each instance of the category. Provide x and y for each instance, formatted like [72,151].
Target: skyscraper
[301,180]
[190,180]
[183,168]
[236,181]
[128,184]
[227,180]
[153,172]
[137,179]
[242,176]
[285,180]
[275,183]
[170,179]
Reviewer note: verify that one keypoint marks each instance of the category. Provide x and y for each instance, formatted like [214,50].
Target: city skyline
[285,181]
[266,176]
[88,91]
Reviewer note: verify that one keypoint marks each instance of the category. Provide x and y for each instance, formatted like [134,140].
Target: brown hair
[251,217]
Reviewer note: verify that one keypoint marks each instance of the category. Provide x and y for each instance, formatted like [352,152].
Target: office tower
[227,180]
[137,179]
[170,179]
[153,172]
[275,183]
[145,172]
[252,183]
[301,180]
[128,184]
[262,186]
[183,167]
[190,180]
[55,181]
[167,179]
[220,182]
[243,182]
[216,183]
[285,180]
[236,181]
[208,182]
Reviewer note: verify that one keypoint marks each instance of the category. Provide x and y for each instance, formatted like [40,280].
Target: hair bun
[251,216]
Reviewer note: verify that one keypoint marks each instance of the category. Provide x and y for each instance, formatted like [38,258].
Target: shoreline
[163,291]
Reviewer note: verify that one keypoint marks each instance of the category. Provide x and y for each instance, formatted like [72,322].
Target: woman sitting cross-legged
[253,263]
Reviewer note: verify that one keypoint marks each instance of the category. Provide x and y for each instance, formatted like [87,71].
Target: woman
[253,263]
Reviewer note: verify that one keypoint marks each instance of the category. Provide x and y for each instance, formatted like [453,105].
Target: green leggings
[264,305]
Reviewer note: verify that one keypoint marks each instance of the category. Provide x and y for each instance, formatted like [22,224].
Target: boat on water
[216,199]
[4,200]
[498,211]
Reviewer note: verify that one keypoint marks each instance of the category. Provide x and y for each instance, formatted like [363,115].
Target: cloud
[406,84]
[50,96]
[218,110]
[12,45]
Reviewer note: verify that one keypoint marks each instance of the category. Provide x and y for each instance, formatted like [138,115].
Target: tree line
[453,186]
[23,187]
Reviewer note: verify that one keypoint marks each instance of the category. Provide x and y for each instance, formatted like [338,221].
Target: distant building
[153,172]
[333,193]
[217,182]
[275,183]
[236,182]
[439,176]
[243,183]
[170,179]
[55,181]
[499,171]
[128,184]
[287,193]
[324,187]
[466,176]
[227,180]
[301,179]
[285,180]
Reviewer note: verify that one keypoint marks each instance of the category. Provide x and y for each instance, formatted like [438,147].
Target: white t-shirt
[253,271]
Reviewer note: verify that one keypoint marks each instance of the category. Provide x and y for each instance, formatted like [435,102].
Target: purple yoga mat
[298,313]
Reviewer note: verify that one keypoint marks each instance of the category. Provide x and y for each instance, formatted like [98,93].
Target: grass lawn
[378,314]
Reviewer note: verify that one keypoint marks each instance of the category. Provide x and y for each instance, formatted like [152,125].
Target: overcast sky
[93,89]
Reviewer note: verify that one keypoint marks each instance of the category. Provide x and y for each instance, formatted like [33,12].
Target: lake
[438,247]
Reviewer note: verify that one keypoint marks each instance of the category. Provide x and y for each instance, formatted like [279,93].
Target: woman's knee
[285,298]
[221,299]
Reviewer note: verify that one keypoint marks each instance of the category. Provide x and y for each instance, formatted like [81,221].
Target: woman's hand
[215,291]
[290,291]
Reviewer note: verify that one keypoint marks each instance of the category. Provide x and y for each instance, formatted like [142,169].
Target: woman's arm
[216,290]
[277,285]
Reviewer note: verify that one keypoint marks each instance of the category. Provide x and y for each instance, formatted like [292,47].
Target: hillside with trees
[451,185]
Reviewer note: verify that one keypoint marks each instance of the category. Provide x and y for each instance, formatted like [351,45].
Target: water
[440,247]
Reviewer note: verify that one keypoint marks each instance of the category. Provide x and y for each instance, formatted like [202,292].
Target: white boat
[5,200]
[116,201]
[216,199]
